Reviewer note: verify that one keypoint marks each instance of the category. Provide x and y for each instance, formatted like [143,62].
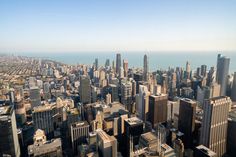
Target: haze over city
[108,26]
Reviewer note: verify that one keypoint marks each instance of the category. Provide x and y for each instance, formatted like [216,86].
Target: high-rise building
[222,73]
[35,97]
[157,109]
[186,124]
[79,133]
[188,70]
[142,102]
[9,143]
[43,118]
[113,89]
[233,91]
[145,68]
[214,124]
[203,70]
[96,64]
[133,130]
[126,94]
[231,134]
[125,67]
[179,147]
[107,63]
[107,145]
[85,89]
[118,62]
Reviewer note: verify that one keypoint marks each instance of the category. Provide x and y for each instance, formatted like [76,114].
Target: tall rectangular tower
[214,124]
[9,144]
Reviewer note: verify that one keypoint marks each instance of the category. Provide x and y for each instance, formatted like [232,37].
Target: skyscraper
[43,118]
[96,64]
[126,94]
[214,124]
[9,144]
[157,109]
[118,62]
[142,102]
[79,133]
[107,145]
[85,89]
[145,68]
[233,91]
[186,124]
[125,66]
[188,70]
[203,70]
[222,73]
[35,97]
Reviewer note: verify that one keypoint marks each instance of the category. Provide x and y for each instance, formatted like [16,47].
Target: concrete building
[214,124]
[107,145]
[9,143]
[231,134]
[79,133]
[43,118]
[186,124]
[222,73]
[85,89]
[126,94]
[157,109]
[233,91]
[142,102]
[145,68]
[43,148]
[35,97]
[118,63]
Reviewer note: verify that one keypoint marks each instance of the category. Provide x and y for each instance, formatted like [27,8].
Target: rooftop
[206,150]
[134,120]
[80,124]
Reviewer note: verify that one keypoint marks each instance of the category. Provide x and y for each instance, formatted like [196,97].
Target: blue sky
[117,25]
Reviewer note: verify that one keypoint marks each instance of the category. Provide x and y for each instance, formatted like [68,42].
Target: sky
[117,25]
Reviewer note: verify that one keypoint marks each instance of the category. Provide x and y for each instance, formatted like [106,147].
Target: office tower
[203,151]
[214,124]
[142,102]
[149,140]
[215,90]
[133,130]
[9,144]
[107,145]
[46,90]
[35,97]
[118,63]
[43,118]
[186,124]
[198,73]
[203,93]
[145,68]
[231,134]
[107,63]
[121,74]
[188,70]
[79,133]
[137,78]
[85,90]
[211,76]
[96,64]
[203,70]
[157,109]
[222,73]
[125,67]
[233,91]
[113,89]
[126,94]
[42,147]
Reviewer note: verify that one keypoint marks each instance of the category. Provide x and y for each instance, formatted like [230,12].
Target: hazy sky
[117,25]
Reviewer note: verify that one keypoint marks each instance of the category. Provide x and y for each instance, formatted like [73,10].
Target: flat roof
[134,120]
[206,150]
